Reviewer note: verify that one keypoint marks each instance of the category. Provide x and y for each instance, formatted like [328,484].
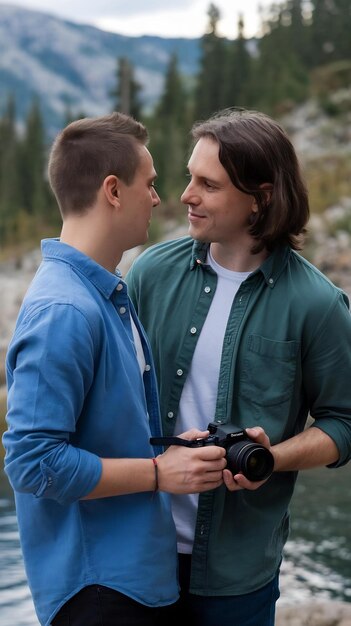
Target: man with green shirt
[249,335]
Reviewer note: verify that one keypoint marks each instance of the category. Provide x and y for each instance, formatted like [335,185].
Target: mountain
[73,66]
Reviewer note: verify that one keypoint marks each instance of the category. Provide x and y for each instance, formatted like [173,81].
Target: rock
[313,613]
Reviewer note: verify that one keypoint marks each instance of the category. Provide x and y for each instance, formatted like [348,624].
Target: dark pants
[252,609]
[101,606]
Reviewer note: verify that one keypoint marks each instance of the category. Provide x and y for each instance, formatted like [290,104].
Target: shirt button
[207,289]
[179,372]
[119,287]
[122,310]
[193,330]
[271,281]
[170,414]
[147,368]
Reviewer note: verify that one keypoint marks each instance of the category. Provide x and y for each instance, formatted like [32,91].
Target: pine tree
[172,102]
[169,134]
[33,147]
[10,182]
[331,21]
[209,92]
[279,76]
[126,93]
[238,70]
[298,30]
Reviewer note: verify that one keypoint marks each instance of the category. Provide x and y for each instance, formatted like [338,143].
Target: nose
[155,197]
[187,195]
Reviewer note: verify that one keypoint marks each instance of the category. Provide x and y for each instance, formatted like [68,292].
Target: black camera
[242,454]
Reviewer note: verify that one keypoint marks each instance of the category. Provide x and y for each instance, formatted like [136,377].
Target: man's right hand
[191,470]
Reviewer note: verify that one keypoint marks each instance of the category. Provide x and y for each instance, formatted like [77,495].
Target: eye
[209,186]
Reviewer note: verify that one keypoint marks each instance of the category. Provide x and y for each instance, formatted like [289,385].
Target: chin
[199,237]
[196,233]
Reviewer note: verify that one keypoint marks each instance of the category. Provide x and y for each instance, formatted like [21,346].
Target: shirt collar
[274,264]
[271,268]
[199,253]
[102,279]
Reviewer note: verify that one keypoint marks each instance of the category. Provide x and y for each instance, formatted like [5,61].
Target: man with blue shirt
[245,333]
[97,533]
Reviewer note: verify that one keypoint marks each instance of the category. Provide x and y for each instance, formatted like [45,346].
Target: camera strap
[170,441]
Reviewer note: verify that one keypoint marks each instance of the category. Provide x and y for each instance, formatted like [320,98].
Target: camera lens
[253,460]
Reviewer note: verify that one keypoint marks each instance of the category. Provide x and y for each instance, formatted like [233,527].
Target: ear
[111,189]
[267,188]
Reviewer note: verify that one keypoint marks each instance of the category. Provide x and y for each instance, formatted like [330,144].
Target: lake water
[317,557]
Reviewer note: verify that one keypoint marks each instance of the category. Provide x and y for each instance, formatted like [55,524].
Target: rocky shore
[313,613]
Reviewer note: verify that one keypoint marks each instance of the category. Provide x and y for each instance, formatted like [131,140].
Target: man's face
[138,200]
[217,211]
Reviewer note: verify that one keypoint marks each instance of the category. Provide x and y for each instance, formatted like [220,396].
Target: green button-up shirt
[286,354]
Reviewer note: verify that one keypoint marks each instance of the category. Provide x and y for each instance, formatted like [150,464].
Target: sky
[166,18]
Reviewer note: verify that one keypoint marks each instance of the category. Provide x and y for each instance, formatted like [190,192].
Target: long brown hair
[255,150]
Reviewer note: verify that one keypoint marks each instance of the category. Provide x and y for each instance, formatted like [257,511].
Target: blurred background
[169,66]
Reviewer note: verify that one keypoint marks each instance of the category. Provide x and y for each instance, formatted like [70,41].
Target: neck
[237,258]
[92,242]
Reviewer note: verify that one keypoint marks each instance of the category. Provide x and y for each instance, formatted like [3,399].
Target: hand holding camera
[243,455]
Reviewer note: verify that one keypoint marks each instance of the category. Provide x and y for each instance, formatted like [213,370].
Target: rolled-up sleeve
[50,367]
[328,377]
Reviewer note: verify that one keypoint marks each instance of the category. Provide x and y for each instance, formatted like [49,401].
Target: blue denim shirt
[75,394]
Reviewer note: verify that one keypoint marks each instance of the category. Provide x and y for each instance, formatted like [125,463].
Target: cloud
[167,18]
[87,10]
[116,8]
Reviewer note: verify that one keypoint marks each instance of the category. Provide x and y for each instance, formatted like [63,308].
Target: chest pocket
[268,373]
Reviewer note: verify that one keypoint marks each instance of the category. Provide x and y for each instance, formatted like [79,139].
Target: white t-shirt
[138,347]
[199,396]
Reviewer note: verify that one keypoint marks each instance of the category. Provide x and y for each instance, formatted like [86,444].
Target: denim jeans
[253,609]
[96,605]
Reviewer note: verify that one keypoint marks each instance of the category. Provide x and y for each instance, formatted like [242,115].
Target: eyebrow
[213,181]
